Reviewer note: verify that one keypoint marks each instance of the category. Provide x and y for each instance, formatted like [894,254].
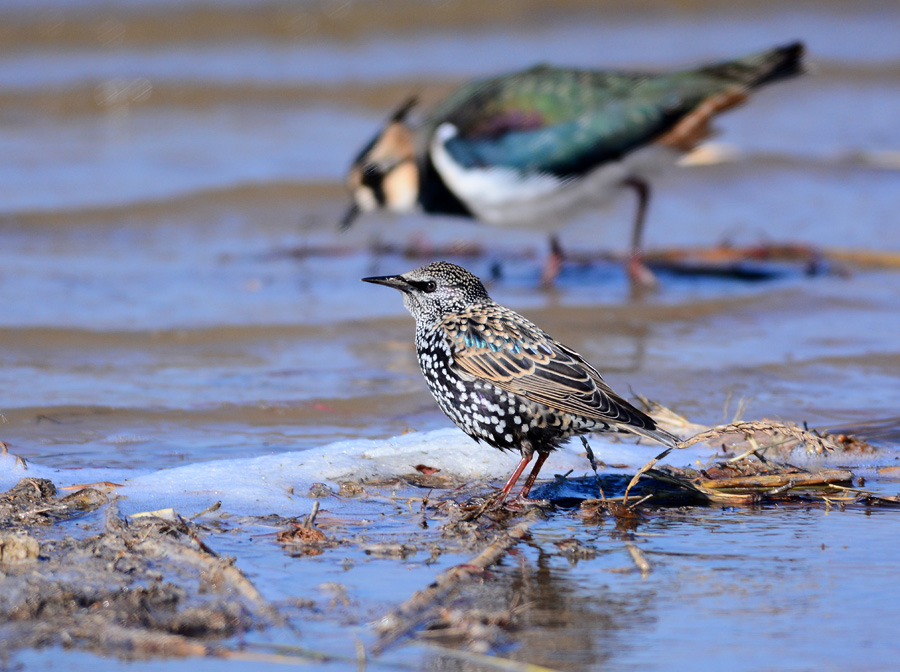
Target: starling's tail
[762,67]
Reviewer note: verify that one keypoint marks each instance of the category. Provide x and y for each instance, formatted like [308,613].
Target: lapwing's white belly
[505,197]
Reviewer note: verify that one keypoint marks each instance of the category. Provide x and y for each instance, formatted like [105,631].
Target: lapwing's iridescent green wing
[565,122]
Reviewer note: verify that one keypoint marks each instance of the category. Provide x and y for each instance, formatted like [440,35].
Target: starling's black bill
[395,281]
[349,217]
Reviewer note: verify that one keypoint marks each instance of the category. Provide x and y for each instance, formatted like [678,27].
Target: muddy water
[173,289]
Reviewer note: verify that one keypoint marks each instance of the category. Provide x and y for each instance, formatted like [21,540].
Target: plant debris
[781,437]
[32,501]
[142,588]
[298,534]
[306,537]
[425,469]
[19,548]
[426,605]
[574,550]
[747,481]
[151,586]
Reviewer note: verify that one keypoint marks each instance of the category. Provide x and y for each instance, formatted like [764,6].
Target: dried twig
[311,518]
[813,442]
[762,481]
[98,484]
[640,501]
[209,509]
[203,555]
[192,534]
[642,471]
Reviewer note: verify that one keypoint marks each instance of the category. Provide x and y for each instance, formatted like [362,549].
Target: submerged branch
[420,608]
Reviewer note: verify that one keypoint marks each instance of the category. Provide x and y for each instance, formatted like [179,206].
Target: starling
[502,379]
[532,148]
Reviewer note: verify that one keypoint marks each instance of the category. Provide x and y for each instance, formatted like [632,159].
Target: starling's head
[435,290]
[385,176]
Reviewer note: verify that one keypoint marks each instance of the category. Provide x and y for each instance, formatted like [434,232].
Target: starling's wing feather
[502,348]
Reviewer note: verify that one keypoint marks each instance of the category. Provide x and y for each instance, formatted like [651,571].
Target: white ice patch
[278,483]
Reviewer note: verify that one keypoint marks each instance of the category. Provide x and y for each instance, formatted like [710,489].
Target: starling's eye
[424,286]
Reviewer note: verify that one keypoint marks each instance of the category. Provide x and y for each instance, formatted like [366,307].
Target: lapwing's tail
[762,67]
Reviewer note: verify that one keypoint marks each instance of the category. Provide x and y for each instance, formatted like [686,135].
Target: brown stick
[777,480]
[642,471]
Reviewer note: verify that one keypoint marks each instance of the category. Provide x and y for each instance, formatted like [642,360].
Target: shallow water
[174,292]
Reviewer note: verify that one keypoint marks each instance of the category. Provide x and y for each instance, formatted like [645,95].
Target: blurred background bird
[502,379]
[533,148]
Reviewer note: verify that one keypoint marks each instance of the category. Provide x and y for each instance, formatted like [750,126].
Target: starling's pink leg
[526,458]
[638,273]
[541,458]
[553,264]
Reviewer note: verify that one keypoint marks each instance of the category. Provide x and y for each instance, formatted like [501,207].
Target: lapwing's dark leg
[538,463]
[554,262]
[526,458]
[638,273]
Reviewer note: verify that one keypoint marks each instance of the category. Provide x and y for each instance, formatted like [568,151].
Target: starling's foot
[639,274]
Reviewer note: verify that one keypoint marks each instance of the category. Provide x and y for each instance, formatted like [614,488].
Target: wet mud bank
[134,588]
[75,572]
